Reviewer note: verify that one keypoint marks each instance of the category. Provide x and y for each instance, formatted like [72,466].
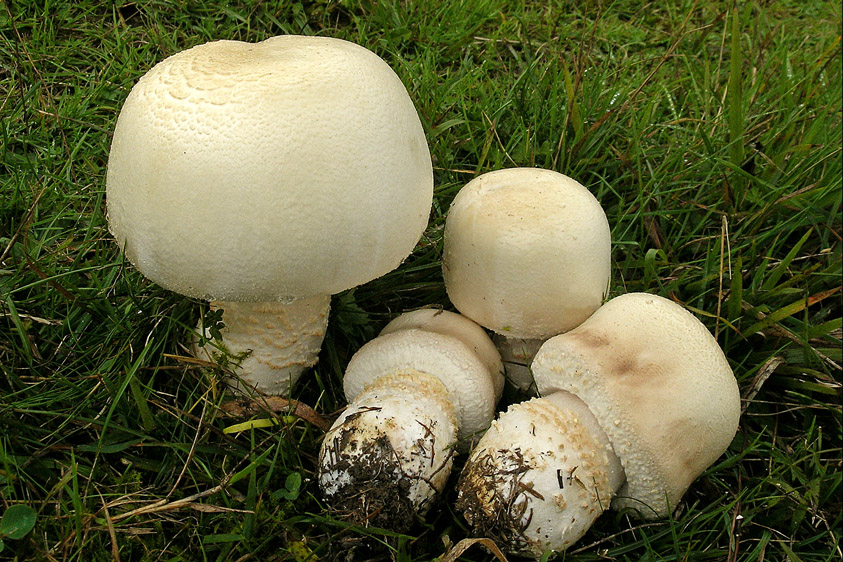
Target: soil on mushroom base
[377,493]
[503,517]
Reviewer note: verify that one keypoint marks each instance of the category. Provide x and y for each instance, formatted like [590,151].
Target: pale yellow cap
[288,168]
[526,252]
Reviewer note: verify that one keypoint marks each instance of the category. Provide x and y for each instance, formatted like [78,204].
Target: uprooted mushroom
[425,388]
[636,403]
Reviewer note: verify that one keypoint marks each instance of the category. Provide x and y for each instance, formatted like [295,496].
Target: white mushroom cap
[526,252]
[660,386]
[457,326]
[470,386]
[288,168]
[540,476]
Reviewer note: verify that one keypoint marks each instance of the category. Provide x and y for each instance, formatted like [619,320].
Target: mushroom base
[267,345]
[387,458]
[540,476]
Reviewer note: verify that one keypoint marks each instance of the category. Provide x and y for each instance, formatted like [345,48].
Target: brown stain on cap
[618,361]
[588,338]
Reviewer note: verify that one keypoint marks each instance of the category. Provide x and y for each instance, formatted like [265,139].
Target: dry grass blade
[761,377]
[246,407]
[459,549]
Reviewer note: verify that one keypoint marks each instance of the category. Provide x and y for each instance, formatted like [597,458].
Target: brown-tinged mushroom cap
[659,385]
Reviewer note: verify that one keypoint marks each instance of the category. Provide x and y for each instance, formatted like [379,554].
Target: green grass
[711,133]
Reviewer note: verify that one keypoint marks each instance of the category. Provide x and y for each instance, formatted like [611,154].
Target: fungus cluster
[635,404]
[636,398]
[267,177]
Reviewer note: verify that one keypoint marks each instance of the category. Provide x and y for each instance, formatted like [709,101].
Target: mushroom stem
[516,355]
[540,476]
[268,344]
[389,454]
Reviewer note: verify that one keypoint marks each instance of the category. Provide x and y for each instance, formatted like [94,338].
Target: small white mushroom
[527,255]
[637,402]
[541,475]
[424,388]
[266,177]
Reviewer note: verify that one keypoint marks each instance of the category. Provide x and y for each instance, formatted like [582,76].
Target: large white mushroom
[424,388]
[265,178]
[527,255]
[637,402]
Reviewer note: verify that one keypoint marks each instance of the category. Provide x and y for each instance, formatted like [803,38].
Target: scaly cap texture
[661,388]
[264,171]
[457,326]
[470,387]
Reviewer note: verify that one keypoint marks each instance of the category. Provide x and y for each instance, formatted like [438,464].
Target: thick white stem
[540,476]
[268,344]
[388,456]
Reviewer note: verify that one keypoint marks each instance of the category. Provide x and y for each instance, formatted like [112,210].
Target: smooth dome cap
[288,168]
[526,252]
[457,326]
[660,386]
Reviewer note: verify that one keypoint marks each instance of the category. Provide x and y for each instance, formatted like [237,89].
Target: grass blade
[771,281]
[735,110]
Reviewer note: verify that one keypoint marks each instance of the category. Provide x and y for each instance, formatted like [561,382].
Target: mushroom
[265,178]
[527,255]
[636,403]
[424,388]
